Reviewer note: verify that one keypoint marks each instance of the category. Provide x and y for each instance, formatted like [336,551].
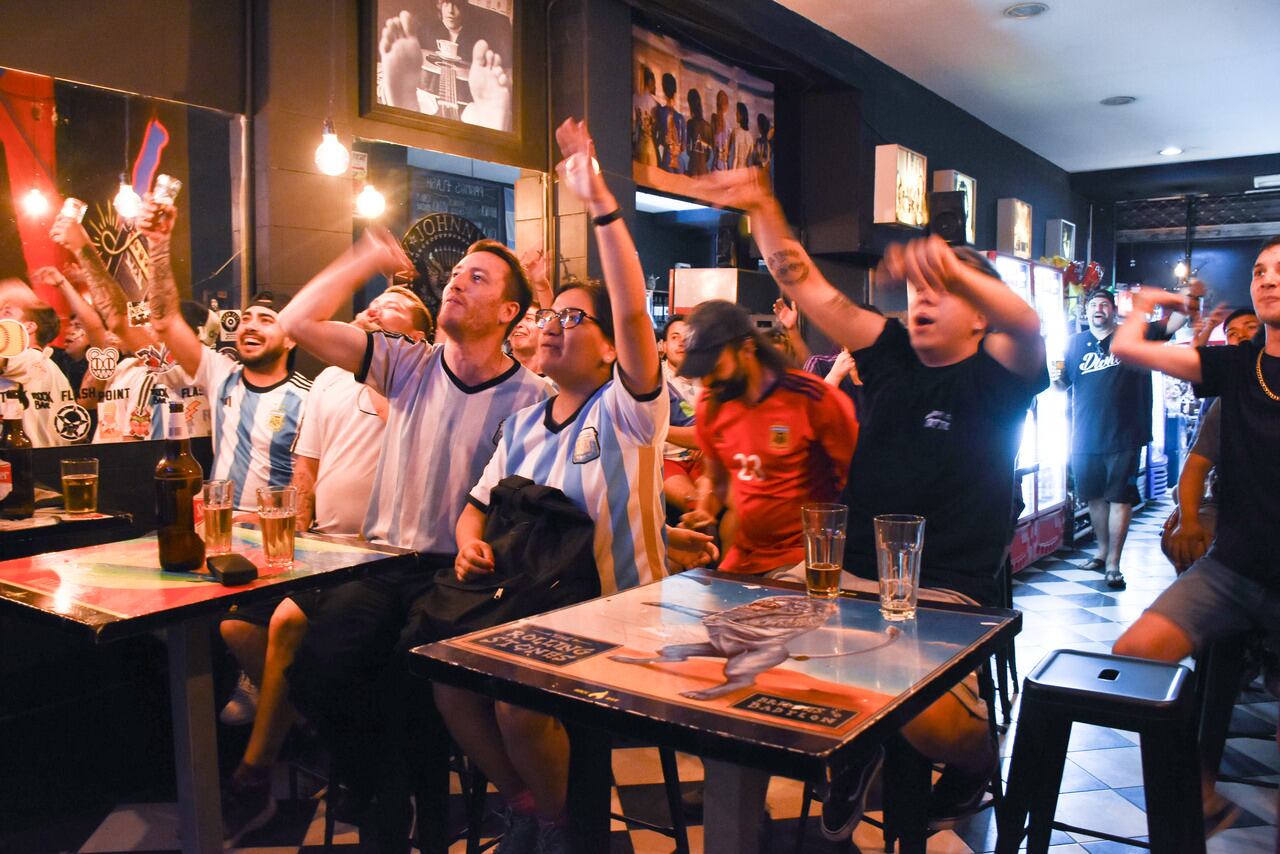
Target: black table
[844,683]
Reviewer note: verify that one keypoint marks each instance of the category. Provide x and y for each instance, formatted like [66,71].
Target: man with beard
[777,436]
[256,402]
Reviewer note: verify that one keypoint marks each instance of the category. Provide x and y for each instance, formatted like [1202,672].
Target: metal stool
[1151,698]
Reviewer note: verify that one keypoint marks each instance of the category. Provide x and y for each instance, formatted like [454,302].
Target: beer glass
[824,533]
[80,486]
[217,517]
[277,509]
[899,541]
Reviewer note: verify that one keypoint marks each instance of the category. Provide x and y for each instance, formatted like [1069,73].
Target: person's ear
[610,355]
[510,311]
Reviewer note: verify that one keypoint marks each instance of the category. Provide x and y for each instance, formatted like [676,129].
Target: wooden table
[834,682]
[117,590]
[51,529]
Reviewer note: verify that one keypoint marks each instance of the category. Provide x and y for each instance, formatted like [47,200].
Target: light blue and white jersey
[607,458]
[439,437]
[253,427]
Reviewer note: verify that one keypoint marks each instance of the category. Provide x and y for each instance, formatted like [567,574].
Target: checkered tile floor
[1063,605]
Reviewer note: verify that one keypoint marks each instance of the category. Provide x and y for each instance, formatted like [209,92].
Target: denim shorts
[1211,601]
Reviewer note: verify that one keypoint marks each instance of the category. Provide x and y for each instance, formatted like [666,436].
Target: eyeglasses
[568,317]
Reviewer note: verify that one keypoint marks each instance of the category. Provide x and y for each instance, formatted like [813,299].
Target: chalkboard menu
[482,202]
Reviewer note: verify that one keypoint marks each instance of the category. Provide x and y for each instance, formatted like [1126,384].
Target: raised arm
[789,319]
[108,297]
[833,312]
[306,318]
[1014,338]
[95,332]
[156,224]
[1130,344]
[633,330]
[535,265]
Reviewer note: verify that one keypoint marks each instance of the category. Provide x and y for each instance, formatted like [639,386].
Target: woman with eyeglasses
[599,440]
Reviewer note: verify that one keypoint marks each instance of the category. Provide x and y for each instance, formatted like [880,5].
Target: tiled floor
[1063,605]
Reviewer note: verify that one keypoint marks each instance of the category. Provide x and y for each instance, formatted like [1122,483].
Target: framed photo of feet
[449,66]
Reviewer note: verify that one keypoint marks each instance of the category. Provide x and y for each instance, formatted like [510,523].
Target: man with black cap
[1110,422]
[777,436]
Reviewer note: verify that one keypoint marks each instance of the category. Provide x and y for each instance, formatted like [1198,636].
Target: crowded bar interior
[547,426]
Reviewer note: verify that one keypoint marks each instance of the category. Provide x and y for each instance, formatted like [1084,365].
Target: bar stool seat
[1154,699]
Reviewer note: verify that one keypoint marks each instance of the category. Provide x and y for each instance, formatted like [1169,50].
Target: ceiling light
[1170,151]
[331,155]
[127,202]
[1180,270]
[35,204]
[1022,11]
[370,203]
[1117,100]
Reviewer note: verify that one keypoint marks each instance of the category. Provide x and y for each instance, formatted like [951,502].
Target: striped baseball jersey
[789,448]
[440,434]
[607,458]
[253,426]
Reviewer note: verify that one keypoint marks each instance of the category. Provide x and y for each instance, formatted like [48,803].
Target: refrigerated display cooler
[1042,456]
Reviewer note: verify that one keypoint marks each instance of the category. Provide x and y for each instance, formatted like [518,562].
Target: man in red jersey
[773,438]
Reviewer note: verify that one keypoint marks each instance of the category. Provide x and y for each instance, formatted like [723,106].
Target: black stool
[1151,698]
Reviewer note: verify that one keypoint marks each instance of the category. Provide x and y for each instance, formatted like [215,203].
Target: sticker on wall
[102,362]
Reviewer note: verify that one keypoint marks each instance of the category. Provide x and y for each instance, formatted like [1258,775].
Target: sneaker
[1115,580]
[552,839]
[245,808]
[956,796]
[521,835]
[1219,814]
[242,705]
[842,809]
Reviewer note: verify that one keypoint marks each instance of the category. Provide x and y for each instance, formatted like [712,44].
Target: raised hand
[490,90]
[49,277]
[1146,298]
[384,252]
[69,234]
[579,169]
[534,262]
[746,189]
[156,219]
[788,315]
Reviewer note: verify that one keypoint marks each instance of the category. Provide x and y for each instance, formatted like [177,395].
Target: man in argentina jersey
[445,408]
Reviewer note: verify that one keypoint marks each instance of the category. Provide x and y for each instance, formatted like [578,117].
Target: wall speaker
[946,216]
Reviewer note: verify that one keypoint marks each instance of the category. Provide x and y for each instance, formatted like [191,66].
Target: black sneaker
[956,796]
[842,809]
[521,835]
[245,808]
[552,839]
[1115,580]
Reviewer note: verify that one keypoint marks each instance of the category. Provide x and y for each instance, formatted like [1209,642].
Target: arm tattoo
[789,266]
[108,297]
[163,297]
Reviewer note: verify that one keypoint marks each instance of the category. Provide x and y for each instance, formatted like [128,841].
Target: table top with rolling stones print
[751,671]
[118,589]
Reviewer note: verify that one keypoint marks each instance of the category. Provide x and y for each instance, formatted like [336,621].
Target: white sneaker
[242,705]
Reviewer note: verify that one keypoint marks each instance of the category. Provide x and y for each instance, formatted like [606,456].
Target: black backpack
[543,560]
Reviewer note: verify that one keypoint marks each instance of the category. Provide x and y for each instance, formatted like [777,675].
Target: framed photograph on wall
[1060,238]
[449,66]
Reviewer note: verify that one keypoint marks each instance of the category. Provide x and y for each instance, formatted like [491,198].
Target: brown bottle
[179,479]
[17,485]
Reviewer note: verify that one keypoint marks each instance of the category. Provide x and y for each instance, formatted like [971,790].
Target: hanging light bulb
[35,204]
[331,155]
[1180,270]
[370,203]
[127,202]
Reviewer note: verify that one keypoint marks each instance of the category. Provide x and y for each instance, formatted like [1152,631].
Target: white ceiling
[1205,72]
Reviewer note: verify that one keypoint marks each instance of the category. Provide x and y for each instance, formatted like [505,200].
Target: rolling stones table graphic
[744,650]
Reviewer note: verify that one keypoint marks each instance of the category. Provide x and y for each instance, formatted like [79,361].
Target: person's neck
[941,357]
[759,380]
[1101,332]
[475,361]
[267,376]
[1271,344]
[574,391]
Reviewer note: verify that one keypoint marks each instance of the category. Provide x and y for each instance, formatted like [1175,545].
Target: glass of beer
[899,541]
[824,532]
[80,486]
[277,510]
[217,517]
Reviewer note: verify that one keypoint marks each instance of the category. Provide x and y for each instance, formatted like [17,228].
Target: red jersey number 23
[749,466]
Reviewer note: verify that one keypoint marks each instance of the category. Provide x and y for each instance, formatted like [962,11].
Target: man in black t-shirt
[1110,422]
[1235,587]
[948,395]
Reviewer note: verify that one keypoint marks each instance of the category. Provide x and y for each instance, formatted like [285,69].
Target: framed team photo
[451,66]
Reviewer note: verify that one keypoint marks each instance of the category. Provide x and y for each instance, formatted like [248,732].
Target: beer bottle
[178,482]
[17,484]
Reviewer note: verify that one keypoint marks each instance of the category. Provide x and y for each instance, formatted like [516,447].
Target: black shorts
[309,603]
[1113,477]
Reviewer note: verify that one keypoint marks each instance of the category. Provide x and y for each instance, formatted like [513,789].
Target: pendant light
[332,157]
[128,203]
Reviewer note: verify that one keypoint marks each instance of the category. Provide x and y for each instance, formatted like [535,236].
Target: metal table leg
[194,736]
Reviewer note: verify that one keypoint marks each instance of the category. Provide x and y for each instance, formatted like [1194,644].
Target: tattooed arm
[156,224]
[108,298]
[791,266]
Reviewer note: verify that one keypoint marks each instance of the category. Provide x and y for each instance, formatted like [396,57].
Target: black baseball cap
[269,300]
[712,325]
[1100,293]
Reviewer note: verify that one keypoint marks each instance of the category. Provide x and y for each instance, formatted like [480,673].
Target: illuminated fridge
[1042,457]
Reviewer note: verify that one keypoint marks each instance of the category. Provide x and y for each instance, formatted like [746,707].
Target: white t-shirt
[253,427]
[341,429]
[606,459]
[136,398]
[440,434]
[48,392]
